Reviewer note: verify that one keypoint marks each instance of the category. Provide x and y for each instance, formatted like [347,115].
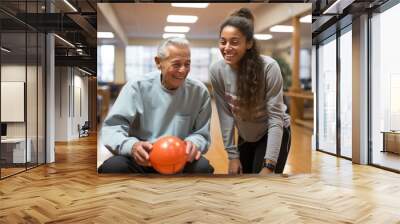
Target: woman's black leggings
[252,153]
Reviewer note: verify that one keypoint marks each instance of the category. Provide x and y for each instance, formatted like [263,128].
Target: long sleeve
[226,119]
[201,134]
[116,125]
[275,110]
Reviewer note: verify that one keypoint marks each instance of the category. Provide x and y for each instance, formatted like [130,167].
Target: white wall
[61,103]
[80,102]
[71,94]
[33,126]
[16,73]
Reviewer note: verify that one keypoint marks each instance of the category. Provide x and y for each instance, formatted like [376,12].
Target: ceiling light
[70,5]
[181,19]
[86,72]
[105,35]
[306,19]
[64,40]
[282,29]
[190,5]
[338,6]
[5,49]
[262,36]
[166,35]
[177,29]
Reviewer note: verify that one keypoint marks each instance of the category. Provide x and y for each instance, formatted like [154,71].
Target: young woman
[248,92]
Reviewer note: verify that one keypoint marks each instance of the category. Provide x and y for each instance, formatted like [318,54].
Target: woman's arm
[274,100]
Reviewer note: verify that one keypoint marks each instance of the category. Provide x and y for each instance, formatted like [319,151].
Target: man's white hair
[176,41]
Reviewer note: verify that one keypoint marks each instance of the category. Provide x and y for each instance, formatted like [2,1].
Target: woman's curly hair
[249,79]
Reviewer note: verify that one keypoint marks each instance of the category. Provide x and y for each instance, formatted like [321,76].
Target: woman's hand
[235,167]
[265,171]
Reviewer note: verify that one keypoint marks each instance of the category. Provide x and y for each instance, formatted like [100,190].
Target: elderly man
[155,105]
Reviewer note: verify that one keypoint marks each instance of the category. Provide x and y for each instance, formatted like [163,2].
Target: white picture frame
[12,101]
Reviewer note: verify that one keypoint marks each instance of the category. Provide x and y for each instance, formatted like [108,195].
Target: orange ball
[168,155]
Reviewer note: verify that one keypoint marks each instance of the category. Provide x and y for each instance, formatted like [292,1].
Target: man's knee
[199,166]
[117,164]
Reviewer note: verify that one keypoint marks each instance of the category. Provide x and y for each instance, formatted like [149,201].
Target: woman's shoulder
[272,71]
[268,60]
[270,65]
[217,66]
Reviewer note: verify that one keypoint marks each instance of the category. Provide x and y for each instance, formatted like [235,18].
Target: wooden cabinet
[391,141]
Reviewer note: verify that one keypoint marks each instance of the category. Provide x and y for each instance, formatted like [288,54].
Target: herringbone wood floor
[70,191]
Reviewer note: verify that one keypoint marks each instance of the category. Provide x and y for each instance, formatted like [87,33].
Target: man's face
[175,67]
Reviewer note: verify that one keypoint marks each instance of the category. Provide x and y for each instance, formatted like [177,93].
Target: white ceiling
[147,20]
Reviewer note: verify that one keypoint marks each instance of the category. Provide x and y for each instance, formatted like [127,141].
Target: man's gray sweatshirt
[145,111]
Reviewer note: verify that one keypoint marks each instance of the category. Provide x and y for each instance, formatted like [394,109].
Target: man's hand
[192,152]
[140,152]
[235,167]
